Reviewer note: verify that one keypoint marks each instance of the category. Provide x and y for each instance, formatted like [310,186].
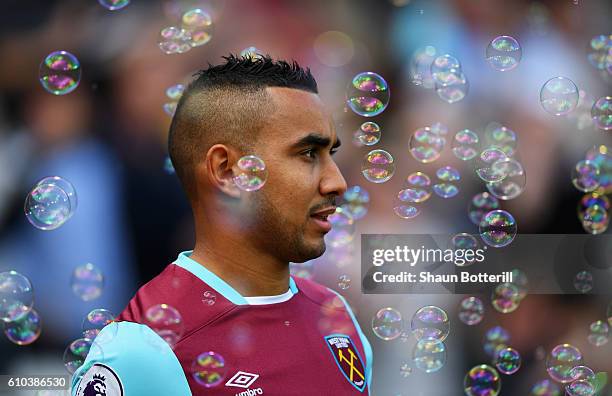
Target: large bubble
[368,94]
[430,322]
[16,296]
[561,360]
[514,181]
[425,145]
[387,324]
[503,53]
[466,145]
[454,90]
[429,355]
[60,73]
[251,173]
[378,166]
[50,203]
[482,380]
[497,228]
[24,330]
[559,96]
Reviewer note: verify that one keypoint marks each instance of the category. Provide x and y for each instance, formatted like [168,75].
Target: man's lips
[320,218]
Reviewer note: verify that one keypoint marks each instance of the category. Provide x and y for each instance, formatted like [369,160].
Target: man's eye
[334,151]
[312,153]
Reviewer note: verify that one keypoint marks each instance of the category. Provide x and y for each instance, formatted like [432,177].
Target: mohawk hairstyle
[228,104]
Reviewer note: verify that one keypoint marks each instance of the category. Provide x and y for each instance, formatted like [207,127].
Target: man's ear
[220,161]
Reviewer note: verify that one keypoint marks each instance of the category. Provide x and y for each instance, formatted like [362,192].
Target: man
[235,322]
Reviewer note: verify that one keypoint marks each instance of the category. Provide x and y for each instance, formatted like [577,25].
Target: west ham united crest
[348,359]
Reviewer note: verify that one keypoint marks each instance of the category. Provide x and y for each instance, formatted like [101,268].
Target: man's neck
[248,271]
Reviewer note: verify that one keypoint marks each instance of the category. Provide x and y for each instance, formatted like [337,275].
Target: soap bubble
[378,166]
[580,388]
[444,69]
[599,333]
[560,362]
[590,200]
[199,26]
[508,361]
[87,282]
[471,311]
[505,298]
[50,203]
[368,134]
[513,183]
[387,324]
[251,52]
[484,165]
[463,241]
[344,282]
[367,94]
[439,129]
[430,322]
[357,202]
[114,5]
[585,176]
[497,228]
[425,146]
[601,113]
[445,190]
[343,228]
[448,174]
[495,338]
[545,388]
[95,321]
[166,321]
[209,369]
[559,96]
[173,93]
[429,355]
[582,372]
[16,296]
[601,155]
[251,174]
[76,352]
[502,138]
[480,205]
[24,330]
[466,145]
[420,66]
[595,219]
[60,73]
[406,211]
[598,50]
[482,380]
[418,188]
[503,53]
[405,370]
[174,40]
[455,90]
[583,281]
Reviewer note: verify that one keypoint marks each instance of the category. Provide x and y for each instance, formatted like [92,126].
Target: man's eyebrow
[314,139]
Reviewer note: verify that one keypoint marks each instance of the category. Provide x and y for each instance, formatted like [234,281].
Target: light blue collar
[185,261]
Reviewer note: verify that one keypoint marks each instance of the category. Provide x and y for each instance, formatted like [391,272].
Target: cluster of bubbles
[60,73]
[593,175]
[113,5]
[50,203]
[503,53]
[173,94]
[368,134]
[209,369]
[367,94]
[450,82]
[22,324]
[250,174]
[195,30]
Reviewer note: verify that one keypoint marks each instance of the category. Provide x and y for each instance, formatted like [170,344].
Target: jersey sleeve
[127,359]
[369,356]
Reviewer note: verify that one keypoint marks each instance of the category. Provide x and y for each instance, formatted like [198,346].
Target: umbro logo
[242,379]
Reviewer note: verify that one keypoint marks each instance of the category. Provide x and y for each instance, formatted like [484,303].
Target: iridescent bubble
[251,174]
[480,205]
[16,296]
[512,184]
[455,90]
[444,69]
[463,242]
[47,206]
[302,270]
[559,96]
[601,155]
[175,92]
[445,190]
[24,330]
[405,370]
[439,129]
[60,73]
[595,219]
[344,282]
[503,53]
[508,361]
[208,369]
[87,282]
[496,338]
[95,321]
[482,380]
[378,166]
[343,228]
[601,113]
[357,202]
[406,211]
[560,362]
[368,134]
[430,322]
[425,146]
[545,388]
[484,165]
[590,200]
[387,324]
[209,298]
[166,321]
[448,173]
[251,52]
[585,176]
[502,138]
[114,5]
[174,40]
[582,372]
[497,228]
[64,185]
[505,298]
[598,50]
[198,24]
[418,190]
[583,281]
[169,108]
[76,352]
[429,355]
[471,311]
[420,66]
[466,145]
[580,388]
[367,94]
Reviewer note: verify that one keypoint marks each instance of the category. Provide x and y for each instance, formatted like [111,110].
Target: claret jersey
[303,342]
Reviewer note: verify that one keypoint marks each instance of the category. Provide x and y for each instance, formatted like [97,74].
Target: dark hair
[228,104]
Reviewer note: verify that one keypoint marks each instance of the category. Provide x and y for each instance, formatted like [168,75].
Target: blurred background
[109,139]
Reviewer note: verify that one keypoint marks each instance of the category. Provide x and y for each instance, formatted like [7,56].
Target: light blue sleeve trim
[143,361]
[292,285]
[369,356]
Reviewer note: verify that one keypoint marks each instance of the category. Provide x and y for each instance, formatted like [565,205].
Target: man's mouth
[321,216]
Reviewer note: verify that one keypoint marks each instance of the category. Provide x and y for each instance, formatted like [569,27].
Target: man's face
[303,179]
